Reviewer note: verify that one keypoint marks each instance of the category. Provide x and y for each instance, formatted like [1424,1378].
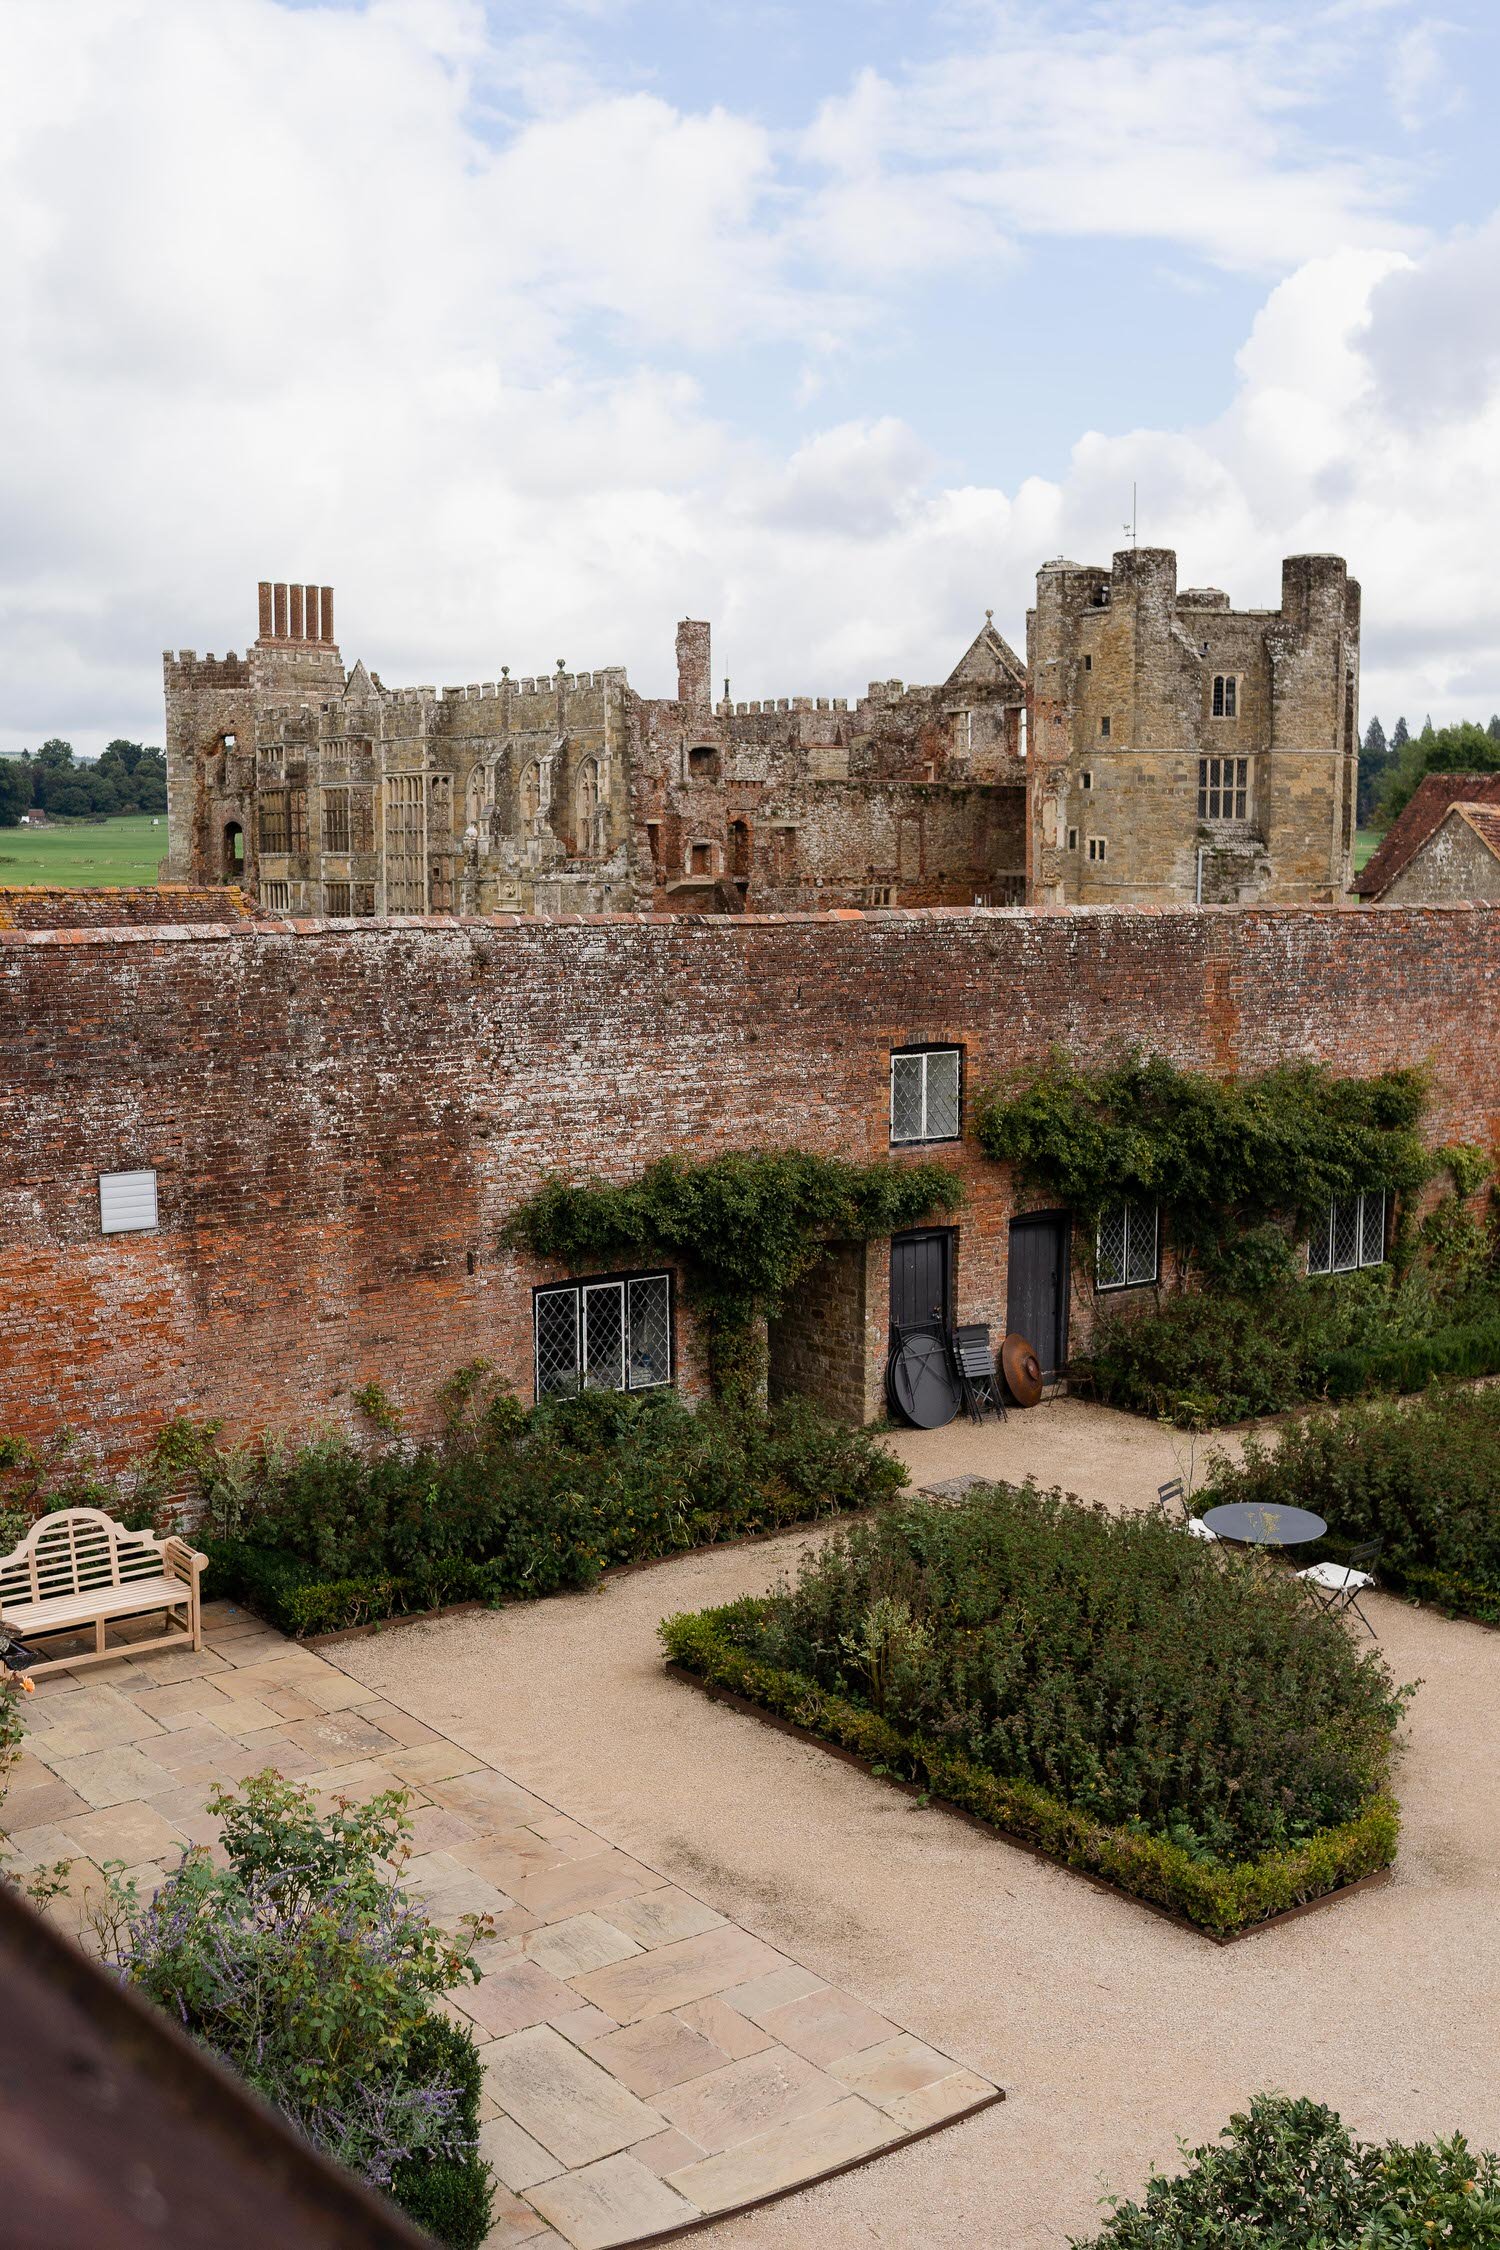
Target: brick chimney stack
[694,668]
[299,614]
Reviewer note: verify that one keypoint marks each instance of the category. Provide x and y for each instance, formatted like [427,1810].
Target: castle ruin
[1156,747]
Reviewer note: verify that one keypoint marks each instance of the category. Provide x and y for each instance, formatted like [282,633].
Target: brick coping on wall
[154,933]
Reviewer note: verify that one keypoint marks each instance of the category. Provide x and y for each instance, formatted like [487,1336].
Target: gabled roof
[1485,822]
[359,683]
[987,658]
[1434,794]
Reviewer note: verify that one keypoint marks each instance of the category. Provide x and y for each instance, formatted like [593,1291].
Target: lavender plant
[304,1966]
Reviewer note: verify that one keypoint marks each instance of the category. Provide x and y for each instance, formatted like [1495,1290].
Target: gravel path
[1113,2032]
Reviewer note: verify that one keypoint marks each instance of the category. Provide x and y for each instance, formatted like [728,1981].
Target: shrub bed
[1422,1477]
[1103,1688]
[1288,2175]
[515,1503]
[1207,1357]
[302,1965]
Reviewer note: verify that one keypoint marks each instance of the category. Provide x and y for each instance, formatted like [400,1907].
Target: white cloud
[1418,79]
[371,298]
[1190,124]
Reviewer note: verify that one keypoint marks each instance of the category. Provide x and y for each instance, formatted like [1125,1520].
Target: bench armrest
[179,1560]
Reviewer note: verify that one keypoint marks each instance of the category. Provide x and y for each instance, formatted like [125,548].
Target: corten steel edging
[814,2179]
[935,1803]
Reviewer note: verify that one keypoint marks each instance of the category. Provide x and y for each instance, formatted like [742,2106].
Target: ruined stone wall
[908,796]
[342,1120]
[333,795]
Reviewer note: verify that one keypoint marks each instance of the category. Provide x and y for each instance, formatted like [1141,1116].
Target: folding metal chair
[974,1365]
[1171,1495]
[1338,1586]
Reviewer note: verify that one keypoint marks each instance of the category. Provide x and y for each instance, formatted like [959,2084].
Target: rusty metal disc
[1022,1370]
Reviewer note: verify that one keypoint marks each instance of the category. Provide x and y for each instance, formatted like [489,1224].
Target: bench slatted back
[76,1551]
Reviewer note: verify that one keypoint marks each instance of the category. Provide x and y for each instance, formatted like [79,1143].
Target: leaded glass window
[1349,1235]
[606,1335]
[926,1095]
[1126,1247]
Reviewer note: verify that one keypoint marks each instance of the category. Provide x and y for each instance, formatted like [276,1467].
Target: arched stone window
[591,813]
[234,851]
[479,793]
[531,790]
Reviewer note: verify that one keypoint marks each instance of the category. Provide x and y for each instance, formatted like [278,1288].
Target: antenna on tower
[1130,527]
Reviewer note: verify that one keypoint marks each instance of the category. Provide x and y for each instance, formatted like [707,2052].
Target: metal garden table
[1251,1526]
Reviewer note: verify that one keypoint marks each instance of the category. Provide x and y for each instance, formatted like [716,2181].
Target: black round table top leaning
[1255,1526]
[922,1382]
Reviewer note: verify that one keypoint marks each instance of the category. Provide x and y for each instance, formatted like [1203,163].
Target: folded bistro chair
[1171,1496]
[1338,1586]
[974,1365]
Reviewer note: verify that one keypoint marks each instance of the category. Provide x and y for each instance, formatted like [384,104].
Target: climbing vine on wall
[1232,1158]
[748,1227]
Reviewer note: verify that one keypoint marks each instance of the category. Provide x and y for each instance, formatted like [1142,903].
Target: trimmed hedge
[1215,1356]
[1221,1900]
[1465,1352]
[516,1503]
[1290,2176]
[1101,1686]
[1422,1476]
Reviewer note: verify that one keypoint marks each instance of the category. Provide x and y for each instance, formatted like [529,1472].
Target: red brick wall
[339,1119]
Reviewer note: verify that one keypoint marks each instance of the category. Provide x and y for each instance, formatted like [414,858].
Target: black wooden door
[921,1278]
[1037,1298]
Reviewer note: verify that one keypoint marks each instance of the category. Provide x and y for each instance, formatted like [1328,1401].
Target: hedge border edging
[1145,1869]
[471,1606]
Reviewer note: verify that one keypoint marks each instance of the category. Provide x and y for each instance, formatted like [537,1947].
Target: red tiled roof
[1435,792]
[1485,822]
[41,906]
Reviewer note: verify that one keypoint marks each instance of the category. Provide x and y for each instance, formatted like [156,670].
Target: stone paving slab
[649,2063]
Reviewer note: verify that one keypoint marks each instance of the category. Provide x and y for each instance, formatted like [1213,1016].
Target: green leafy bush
[1287,2175]
[1420,1476]
[1203,1358]
[516,1503]
[304,1966]
[1103,1686]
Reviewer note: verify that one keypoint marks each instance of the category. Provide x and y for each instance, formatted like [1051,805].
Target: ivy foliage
[749,1228]
[1230,1156]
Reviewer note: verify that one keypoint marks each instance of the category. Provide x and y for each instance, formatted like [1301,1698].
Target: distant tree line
[1389,771]
[127,777]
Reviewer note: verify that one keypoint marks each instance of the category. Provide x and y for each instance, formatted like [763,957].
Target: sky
[533,328]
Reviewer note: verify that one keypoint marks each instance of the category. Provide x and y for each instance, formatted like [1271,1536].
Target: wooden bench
[79,1568]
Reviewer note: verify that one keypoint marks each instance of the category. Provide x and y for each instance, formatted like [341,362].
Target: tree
[1493,728]
[15,790]
[1374,757]
[1402,735]
[1465,748]
[137,777]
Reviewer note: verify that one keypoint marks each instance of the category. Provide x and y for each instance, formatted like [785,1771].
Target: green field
[1366,842]
[79,853]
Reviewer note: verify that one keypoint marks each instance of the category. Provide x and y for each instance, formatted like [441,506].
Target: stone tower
[1183,750]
